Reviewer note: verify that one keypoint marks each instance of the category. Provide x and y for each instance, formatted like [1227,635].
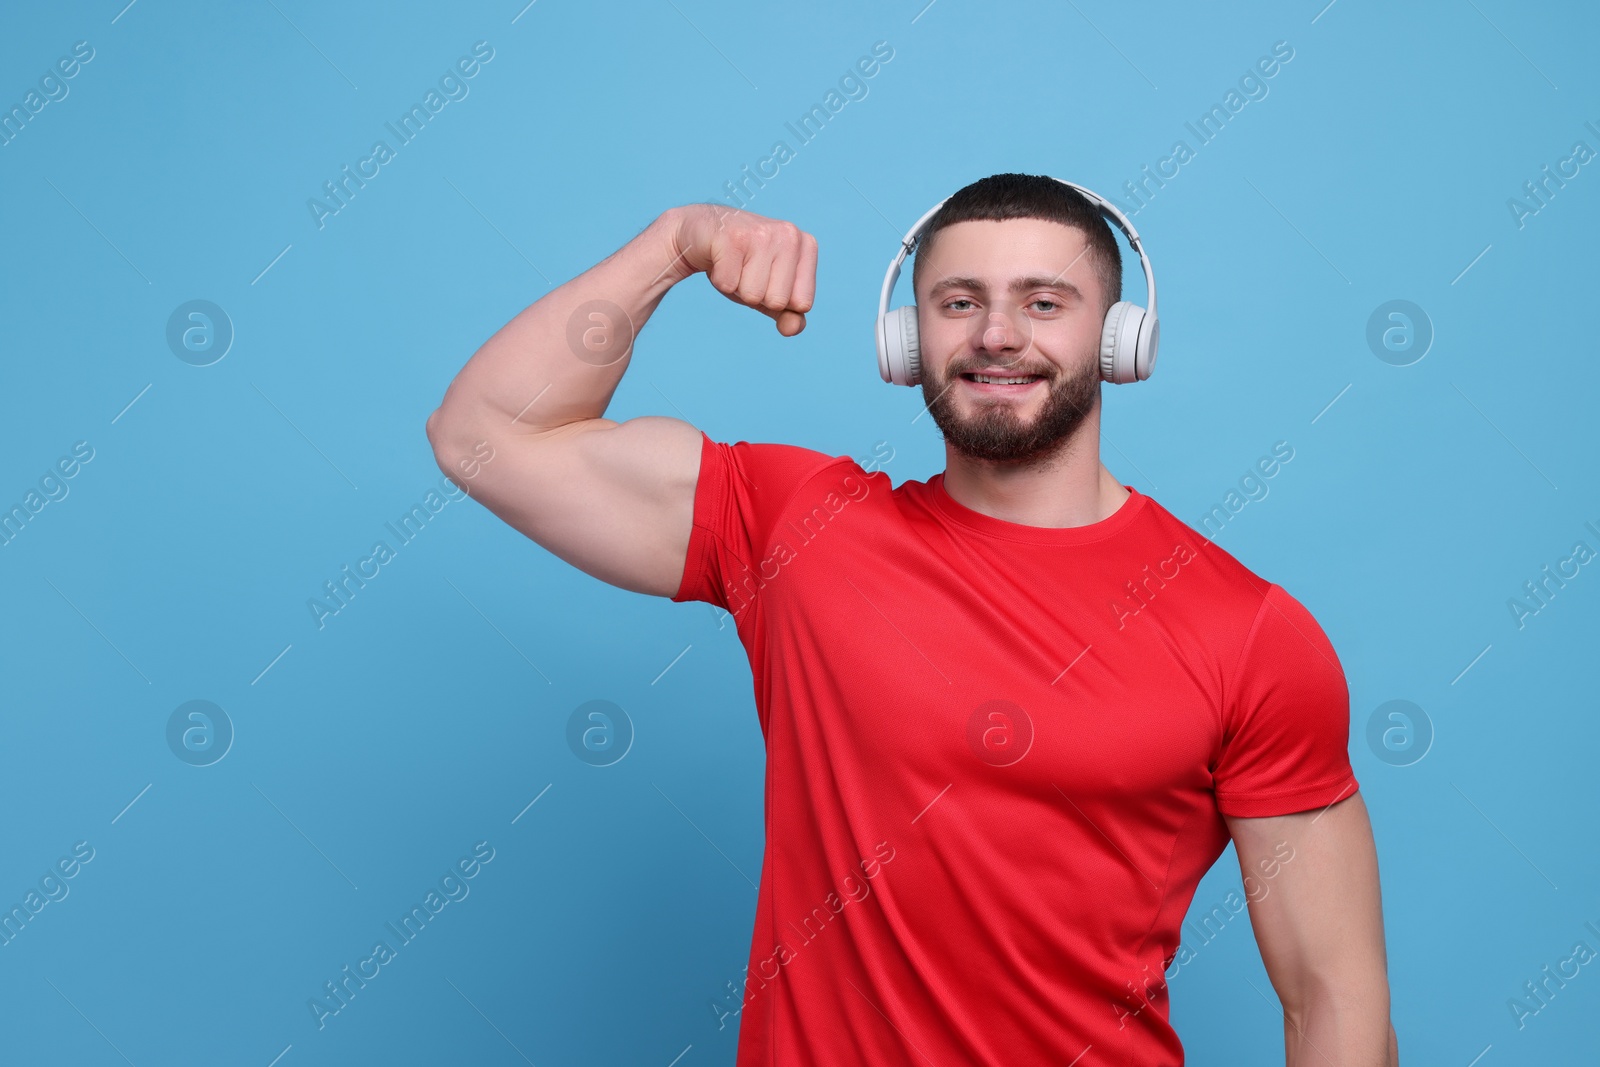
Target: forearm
[560,359]
[1340,1028]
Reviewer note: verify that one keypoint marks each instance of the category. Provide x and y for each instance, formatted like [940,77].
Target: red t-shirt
[998,757]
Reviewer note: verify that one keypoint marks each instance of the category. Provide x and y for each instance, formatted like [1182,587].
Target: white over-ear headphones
[1127,339]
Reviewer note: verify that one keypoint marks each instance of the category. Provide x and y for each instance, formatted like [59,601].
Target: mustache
[1016,369]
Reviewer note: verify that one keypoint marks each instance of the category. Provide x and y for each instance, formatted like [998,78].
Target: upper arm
[1312,882]
[615,500]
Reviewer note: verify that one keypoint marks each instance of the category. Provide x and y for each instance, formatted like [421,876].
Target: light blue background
[428,713]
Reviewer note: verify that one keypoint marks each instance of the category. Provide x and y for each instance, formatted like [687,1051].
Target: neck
[1067,487]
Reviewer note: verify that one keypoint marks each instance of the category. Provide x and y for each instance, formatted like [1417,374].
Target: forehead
[997,251]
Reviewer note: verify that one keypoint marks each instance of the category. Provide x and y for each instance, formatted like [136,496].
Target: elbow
[434,428]
[444,440]
[445,433]
[461,453]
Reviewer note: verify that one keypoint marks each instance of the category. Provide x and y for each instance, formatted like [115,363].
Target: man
[1012,713]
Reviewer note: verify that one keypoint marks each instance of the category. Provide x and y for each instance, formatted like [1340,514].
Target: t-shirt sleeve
[1287,728]
[738,504]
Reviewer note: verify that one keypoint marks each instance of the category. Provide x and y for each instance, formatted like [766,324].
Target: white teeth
[1000,381]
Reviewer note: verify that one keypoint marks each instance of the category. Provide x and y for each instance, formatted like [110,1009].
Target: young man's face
[1015,298]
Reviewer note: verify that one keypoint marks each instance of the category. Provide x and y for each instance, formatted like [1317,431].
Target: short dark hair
[1031,196]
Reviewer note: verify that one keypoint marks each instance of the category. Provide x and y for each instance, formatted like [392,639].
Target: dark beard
[996,433]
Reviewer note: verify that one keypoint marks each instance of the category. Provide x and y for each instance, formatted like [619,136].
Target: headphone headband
[913,237]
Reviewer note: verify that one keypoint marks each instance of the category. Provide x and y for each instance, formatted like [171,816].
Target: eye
[1052,304]
[957,300]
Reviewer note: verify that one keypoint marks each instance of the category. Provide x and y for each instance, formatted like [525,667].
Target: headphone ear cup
[899,349]
[1119,343]
[912,341]
[1147,347]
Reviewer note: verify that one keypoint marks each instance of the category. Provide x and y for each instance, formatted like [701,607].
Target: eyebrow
[1018,285]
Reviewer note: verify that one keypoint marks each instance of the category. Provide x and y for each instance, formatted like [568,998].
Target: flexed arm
[613,499]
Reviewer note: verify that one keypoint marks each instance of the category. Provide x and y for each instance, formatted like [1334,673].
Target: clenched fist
[763,263]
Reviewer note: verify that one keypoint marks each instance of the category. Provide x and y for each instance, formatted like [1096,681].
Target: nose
[1003,339]
[994,335]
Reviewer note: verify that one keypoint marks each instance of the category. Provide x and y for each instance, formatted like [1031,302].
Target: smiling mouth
[1015,381]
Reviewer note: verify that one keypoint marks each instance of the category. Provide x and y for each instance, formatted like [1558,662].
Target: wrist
[674,243]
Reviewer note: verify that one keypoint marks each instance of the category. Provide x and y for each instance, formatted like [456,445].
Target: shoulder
[1247,617]
[785,463]
[774,475]
[1230,583]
